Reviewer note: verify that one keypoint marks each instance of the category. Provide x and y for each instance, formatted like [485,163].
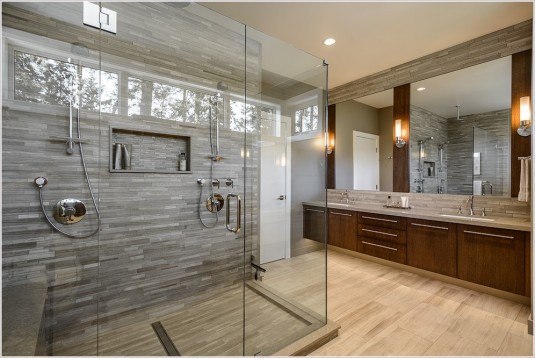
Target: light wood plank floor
[387,311]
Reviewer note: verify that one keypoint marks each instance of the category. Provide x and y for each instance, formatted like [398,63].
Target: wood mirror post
[520,87]
[400,157]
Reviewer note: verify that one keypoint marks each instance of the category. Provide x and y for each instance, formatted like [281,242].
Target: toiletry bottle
[118,163]
[182,162]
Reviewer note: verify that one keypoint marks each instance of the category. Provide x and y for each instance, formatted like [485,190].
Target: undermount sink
[467,218]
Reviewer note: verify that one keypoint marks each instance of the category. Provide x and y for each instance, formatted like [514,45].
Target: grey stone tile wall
[501,43]
[491,139]
[425,124]
[152,251]
[440,203]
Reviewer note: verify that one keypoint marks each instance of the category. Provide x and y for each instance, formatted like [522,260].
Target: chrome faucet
[346,195]
[470,204]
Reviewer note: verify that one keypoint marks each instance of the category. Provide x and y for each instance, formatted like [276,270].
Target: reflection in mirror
[460,121]
[364,143]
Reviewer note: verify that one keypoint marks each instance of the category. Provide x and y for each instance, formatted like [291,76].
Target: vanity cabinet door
[491,257]
[432,246]
[527,264]
[314,223]
[343,229]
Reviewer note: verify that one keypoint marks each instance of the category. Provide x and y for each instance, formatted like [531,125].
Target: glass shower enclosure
[154,170]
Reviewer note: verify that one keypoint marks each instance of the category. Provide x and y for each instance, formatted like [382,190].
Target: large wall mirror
[460,131]
[364,143]
[460,141]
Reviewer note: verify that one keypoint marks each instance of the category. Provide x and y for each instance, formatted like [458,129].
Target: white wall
[351,116]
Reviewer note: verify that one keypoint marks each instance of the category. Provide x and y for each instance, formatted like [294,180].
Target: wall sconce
[525,117]
[329,143]
[400,142]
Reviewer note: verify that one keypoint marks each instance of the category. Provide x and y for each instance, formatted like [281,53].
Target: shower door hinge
[100,17]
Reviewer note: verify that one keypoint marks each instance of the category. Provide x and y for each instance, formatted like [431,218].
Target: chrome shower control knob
[69,211]
[40,181]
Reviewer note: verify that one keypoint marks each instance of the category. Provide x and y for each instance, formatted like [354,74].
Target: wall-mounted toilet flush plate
[69,211]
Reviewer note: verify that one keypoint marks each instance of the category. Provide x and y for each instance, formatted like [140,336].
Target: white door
[365,161]
[273,195]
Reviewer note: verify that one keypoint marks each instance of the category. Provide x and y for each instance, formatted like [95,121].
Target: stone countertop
[497,222]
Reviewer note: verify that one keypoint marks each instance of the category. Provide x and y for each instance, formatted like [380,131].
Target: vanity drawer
[383,233]
[382,249]
[392,222]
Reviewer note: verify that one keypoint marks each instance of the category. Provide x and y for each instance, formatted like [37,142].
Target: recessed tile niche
[151,152]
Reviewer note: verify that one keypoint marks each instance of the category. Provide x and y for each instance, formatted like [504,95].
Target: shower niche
[148,151]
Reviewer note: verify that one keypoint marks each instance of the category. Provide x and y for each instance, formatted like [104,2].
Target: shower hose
[40,188]
[213,152]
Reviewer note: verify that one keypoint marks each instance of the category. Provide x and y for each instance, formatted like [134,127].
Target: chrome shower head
[79,49]
[222,86]
[422,141]
[179,4]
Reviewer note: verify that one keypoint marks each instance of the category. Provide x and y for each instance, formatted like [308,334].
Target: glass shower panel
[171,265]
[199,145]
[50,104]
[491,161]
[285,283]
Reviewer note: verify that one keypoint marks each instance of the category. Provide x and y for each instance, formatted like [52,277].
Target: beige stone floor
[387,311]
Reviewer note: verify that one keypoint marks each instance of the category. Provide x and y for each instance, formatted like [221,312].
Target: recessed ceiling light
[420,89]
[329,41]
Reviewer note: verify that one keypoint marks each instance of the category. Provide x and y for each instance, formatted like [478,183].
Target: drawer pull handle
[381,246]
[487,234]
[430,226]
[343,214]
[380,232]
[379,219]
[315,210]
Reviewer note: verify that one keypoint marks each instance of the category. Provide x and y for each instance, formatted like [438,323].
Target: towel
[523,194]
[478,185]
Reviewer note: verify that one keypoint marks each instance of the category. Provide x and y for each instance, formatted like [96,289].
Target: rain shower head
[222,86]
[179,4]
[422,141]
[80,49]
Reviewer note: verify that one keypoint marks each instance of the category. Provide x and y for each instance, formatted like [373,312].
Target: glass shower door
[285,289]
[172,250]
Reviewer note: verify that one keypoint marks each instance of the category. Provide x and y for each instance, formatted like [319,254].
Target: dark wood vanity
[493,257]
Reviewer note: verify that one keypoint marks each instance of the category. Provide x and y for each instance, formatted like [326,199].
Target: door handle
[281,197]
[238,213]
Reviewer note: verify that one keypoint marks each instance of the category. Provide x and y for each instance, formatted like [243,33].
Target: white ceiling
[477,89]
[371,37]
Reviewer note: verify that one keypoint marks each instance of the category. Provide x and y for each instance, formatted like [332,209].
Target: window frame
[15,40]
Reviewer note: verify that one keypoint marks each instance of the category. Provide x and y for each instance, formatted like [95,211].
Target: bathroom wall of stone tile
[439,203]
[152,252]
[425,124]
[492,141]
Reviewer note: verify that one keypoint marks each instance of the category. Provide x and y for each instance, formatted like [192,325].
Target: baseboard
[451,280]
[530,324]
